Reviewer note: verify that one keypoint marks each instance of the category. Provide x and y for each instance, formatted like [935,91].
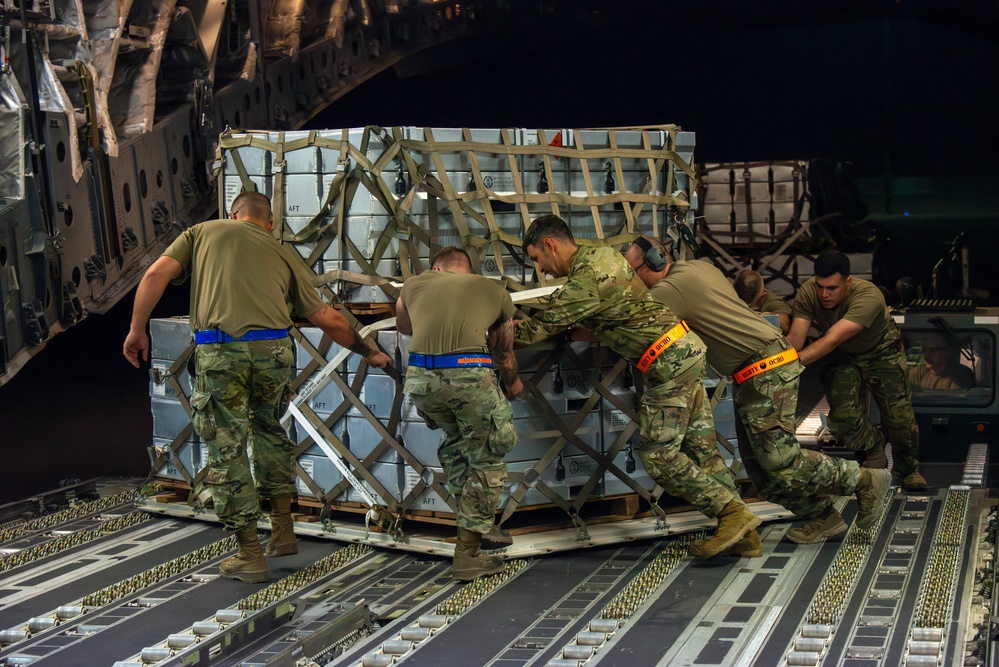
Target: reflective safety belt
[764,365]
[644,362]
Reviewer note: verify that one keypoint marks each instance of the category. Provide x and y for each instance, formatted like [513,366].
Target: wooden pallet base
[524,521]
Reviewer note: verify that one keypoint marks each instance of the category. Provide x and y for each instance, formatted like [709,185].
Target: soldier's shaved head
[451,258]
[252,206]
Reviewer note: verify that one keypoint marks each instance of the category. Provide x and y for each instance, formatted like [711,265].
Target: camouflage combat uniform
[241,391]
[875,359]
[243,280]
[603,294]
[783,473]
[452,312]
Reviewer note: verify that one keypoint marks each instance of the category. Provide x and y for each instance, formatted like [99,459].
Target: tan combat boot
[875,457]
[283,541]
[870,494]
[248,564]
[826,524]
[496,538]
[469,562]
[914,482]
[750,546]
[734,521]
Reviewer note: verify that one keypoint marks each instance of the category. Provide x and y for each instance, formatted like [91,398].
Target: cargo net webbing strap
[732,448]
[420,170]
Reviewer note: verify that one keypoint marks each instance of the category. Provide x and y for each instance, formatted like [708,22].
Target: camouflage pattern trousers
[799,479]
[477,420]
[678,446]
[241,392]
[884,373]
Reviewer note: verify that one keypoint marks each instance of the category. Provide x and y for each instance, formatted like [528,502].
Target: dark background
[904,92]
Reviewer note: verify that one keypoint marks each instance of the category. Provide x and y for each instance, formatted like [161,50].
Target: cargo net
[360,442]
[366,209]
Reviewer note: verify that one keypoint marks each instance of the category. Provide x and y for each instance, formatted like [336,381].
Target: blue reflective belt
[460,360]
[219,336]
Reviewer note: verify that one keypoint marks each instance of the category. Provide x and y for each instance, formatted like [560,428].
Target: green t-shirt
[242,278]
[701,294]
[453,312]
[864,305]
[774,303]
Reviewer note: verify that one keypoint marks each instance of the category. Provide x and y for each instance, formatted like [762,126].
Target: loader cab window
[955,368]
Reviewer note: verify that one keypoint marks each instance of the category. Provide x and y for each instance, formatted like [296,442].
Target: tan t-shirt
[864,305]
[453,312]
[774,303]
[704,298]
[242,278]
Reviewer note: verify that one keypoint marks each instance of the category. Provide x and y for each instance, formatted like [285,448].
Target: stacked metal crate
[174,441]
[752,203]
[562,387]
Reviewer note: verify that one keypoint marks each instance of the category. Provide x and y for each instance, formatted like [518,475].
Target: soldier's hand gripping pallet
[366,208]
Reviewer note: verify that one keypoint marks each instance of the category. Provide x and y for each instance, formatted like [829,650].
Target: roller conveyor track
[643,602]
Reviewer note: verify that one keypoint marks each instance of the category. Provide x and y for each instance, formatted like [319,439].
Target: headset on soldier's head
[653,257]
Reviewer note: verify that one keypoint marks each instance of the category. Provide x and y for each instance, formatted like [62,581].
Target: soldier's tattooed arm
[501,347]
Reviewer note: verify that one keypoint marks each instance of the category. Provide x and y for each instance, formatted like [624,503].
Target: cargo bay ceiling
[111,110]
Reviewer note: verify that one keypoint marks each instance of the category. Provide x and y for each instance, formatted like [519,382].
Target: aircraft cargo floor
[105,583]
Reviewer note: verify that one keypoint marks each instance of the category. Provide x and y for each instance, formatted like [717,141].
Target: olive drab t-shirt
[242,278]
[701,294]
[864,305]
[774,303]
[453,312]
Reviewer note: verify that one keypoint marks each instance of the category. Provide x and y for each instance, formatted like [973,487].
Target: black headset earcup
[654,259]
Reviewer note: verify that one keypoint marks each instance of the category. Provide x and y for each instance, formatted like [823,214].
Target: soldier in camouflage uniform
[750,288]
[863,348]
[244,287]
[677,446]
[457,319]
[765,402]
